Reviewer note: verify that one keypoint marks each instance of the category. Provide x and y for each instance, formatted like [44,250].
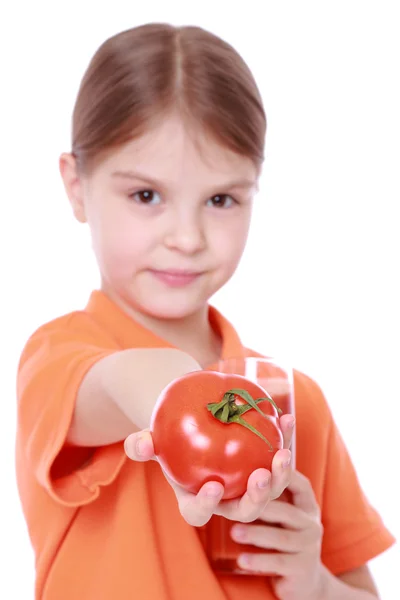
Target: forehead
[171,151]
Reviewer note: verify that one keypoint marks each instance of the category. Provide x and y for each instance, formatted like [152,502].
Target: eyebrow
[238,183]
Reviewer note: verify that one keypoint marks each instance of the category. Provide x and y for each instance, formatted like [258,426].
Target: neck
[193,334]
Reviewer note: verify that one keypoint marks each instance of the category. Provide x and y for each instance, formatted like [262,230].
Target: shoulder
[76,327]
[78,323]
[310,399]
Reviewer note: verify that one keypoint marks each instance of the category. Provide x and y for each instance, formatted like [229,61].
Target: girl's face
[169,219]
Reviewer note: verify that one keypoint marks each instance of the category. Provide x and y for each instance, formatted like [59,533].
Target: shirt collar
[129,333]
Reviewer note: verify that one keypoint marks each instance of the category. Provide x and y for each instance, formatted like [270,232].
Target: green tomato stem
[227,411]
[237,419]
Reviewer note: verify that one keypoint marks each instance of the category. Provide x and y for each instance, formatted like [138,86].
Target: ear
[73,185]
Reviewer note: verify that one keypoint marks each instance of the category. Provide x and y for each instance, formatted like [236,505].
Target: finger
[303,494]
[283,513]
[198,509]
[281,472]
[268,563]
[139,446]
[287,423]
[251,504]
[195,509]
[269,538]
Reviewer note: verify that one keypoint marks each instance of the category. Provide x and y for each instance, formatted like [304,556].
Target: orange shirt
[104,527]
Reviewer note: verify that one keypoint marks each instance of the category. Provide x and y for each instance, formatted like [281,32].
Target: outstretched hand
[262,486]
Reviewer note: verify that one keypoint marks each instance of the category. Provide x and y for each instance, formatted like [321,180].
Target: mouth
[176,277]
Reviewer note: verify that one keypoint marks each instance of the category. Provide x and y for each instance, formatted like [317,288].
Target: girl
[167,148]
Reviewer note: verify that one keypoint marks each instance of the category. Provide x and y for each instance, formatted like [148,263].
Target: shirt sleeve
[53,364]
[354,532]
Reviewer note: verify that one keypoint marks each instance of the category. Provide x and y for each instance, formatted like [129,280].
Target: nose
[185,232]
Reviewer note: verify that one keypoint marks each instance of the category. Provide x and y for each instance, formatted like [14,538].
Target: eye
[146,197]
[221,201]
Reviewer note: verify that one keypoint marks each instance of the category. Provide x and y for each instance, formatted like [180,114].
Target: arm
[118,393]
[115,401]
[75,385]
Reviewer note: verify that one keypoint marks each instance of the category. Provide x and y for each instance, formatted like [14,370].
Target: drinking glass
[275,376]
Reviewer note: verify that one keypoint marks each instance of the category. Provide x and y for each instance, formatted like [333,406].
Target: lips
[176,277]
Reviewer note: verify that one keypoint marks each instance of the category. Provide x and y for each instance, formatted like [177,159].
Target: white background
[325,237]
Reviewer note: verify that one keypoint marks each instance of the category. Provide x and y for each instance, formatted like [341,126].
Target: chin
[171,313]
[167,305]
[177,307]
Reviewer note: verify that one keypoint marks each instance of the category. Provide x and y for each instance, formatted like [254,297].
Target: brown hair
[139,75]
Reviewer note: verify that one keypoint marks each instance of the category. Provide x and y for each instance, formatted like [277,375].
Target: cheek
[229,242]
[119,247]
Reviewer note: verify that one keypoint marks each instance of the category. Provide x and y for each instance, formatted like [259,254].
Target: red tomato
[193,446]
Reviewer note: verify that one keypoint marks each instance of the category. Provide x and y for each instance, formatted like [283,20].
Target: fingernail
[286,463]
[262,484]
[292,423]
[244,560]
[139,446]
[238,532]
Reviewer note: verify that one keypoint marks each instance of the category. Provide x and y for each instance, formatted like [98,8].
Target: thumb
[139,446]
